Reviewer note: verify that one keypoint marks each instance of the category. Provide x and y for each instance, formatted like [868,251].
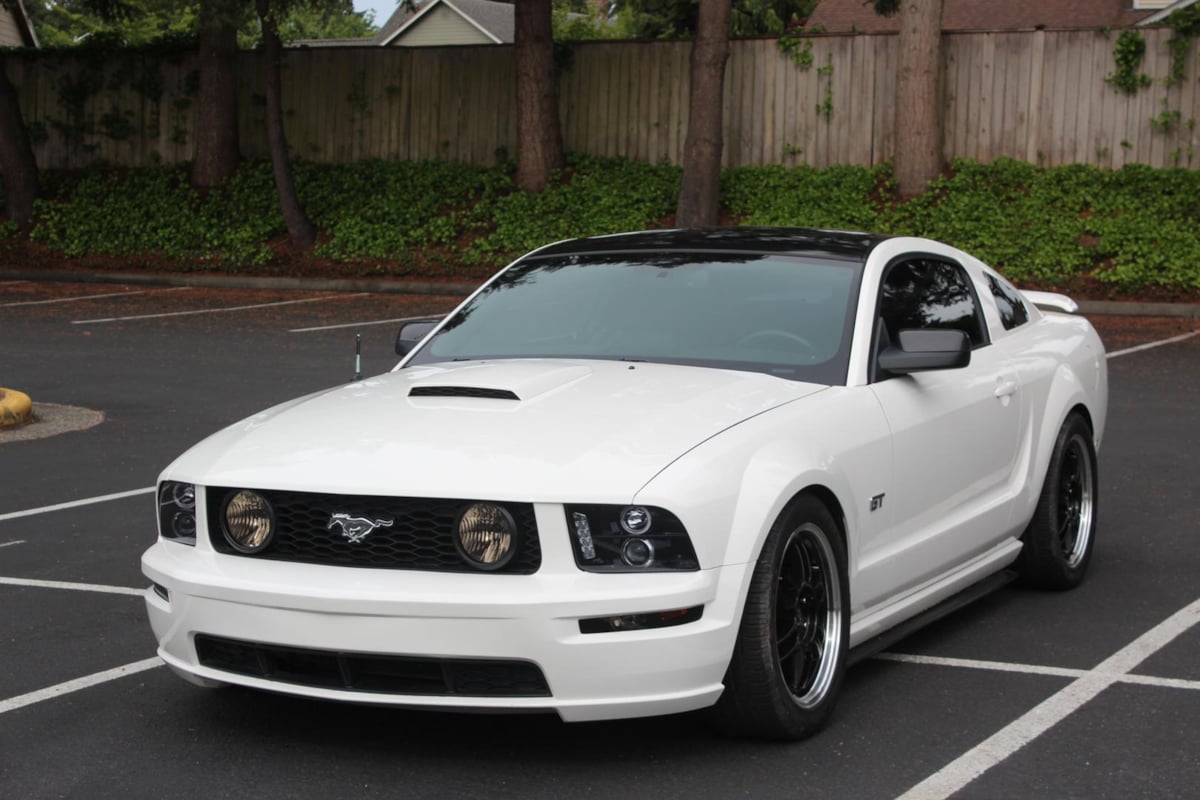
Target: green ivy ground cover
[1132,228]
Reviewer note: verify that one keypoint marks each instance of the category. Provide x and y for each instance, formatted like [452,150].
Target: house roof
[493,19]
[841,16]
[1159,16]
[24,26]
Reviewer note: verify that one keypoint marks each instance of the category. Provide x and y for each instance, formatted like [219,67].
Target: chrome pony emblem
[357,528]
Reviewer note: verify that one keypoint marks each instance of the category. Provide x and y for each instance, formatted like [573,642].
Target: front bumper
[530,618]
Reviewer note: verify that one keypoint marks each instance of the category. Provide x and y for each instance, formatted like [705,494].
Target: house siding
[10,34]
[441,26]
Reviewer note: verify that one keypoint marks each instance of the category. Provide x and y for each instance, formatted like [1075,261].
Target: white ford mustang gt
[643,474]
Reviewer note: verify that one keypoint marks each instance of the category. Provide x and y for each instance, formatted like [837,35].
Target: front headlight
[177,512]
[629,539]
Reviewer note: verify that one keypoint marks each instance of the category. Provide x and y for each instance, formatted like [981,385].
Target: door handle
[1006,389]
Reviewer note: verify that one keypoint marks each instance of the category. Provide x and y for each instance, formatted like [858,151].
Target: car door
[954,435]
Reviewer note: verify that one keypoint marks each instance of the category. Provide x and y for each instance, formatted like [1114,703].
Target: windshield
[785,315]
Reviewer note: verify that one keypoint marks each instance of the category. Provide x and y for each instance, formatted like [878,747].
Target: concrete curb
[1134,309]
[377,285]
[15,408]
[393,286]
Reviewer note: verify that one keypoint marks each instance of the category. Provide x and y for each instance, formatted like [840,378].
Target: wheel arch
[1067,396]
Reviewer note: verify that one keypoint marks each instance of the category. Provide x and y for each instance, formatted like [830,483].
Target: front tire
[790,655]
[1059,541]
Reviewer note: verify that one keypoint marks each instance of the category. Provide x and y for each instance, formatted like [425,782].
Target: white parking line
[1002,744]
[1151,345]
[10,544]
[58,690]
[90,297]
[76,503]
[1036,669]
[215,310]
[362,324]
[73,587]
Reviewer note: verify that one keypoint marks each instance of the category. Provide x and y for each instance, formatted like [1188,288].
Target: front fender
[729,491]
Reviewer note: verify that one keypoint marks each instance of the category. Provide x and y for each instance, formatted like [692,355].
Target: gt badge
[357,528]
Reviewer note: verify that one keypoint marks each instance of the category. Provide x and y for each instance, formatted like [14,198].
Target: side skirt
[948,606]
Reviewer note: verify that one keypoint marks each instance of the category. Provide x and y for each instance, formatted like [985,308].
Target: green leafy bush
[1133,228]
[155,211]
[592,197]
[835,197]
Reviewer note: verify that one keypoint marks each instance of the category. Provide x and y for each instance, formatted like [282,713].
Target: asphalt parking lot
[1089,694]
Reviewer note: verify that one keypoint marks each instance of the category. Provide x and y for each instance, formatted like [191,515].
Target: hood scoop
[462,391]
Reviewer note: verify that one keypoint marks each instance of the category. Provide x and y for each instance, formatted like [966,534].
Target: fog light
[249,521]
[486,536]
[637,552]
[636,520]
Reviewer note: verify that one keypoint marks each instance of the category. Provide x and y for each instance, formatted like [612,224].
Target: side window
[926,293]
[1013,312]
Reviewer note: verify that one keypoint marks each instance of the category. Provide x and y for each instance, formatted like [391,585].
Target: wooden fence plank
[1036,95]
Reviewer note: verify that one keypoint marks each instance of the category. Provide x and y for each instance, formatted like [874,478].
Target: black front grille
[421,536]
[462,391]
[360,672]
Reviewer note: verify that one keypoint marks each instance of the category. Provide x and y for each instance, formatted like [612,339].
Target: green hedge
[1133,228]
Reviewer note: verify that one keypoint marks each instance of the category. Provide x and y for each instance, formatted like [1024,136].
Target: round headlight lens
[183,495]
[486,536]
[183,525]
[637,552]
[249,521]
[636,520]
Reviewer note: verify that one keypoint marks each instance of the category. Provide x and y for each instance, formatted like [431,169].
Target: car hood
[582,431]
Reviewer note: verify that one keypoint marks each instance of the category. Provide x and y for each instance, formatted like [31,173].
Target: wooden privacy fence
[1038,96]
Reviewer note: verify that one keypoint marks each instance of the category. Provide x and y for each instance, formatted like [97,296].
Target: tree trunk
[700,189]
[16,154]
[539,133]
[300,228]
[217,153]
[918,96]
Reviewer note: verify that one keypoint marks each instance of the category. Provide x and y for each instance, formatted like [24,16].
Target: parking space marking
[73,587]
[216,310]
[90,297]
[1002,744]
[1035,669]
[76,503]
[363,324]
[10,544]
[1151,345]
[58,690]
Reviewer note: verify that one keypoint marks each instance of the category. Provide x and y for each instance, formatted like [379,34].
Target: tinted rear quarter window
[1013,312]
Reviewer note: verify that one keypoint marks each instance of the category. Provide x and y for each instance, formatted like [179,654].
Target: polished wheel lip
[1076,500]
[808,615]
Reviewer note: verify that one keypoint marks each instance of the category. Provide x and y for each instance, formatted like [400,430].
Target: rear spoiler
[1051,300]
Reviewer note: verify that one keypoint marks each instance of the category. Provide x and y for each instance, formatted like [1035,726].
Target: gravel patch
[51,419]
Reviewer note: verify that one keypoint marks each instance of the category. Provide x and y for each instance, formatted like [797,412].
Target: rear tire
[790,655]
[1060,538]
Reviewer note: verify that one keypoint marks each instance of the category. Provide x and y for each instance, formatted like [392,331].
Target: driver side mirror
[927,349]
[411,334]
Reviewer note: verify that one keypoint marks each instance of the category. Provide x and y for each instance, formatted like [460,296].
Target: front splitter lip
[531,618]
[568,710]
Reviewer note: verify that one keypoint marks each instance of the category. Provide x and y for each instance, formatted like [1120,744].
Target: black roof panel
[842,244]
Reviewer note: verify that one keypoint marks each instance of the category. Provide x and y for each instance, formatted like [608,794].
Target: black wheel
[1061,536]
[790,654]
